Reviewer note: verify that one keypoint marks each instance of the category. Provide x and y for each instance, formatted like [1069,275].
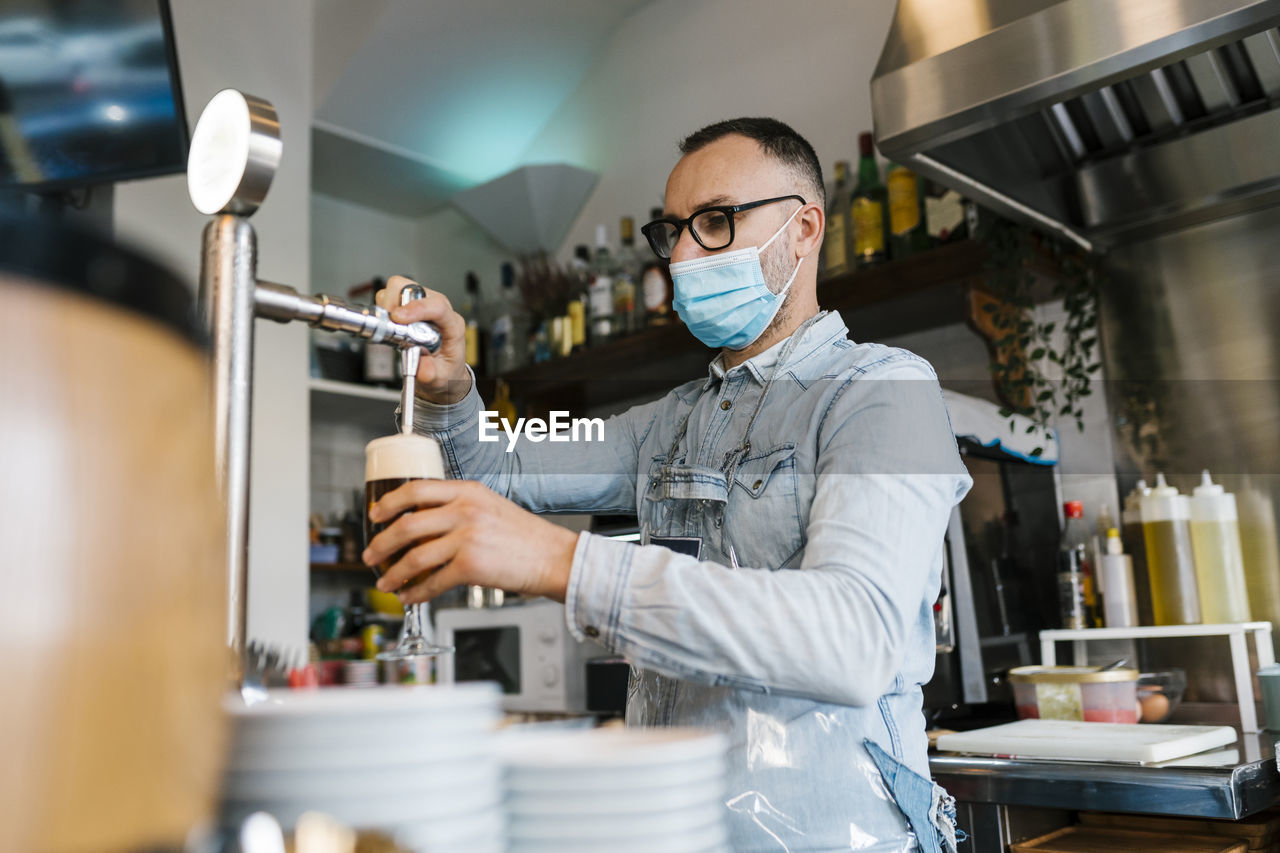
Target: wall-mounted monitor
[89,93]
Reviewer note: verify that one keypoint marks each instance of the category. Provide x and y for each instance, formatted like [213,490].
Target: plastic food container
[1075,693]
[1159,693]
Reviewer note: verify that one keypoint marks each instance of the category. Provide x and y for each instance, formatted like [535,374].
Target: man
[794,504]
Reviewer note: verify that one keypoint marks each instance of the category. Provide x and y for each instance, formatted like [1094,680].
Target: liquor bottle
[473,313]
[869,217]
[600,304]
[944,214]
[1075,581]
[508,335]
[626,274]
[837,241]
[908,233]
[381,361]
[580,269]
[502,405]
[655,284]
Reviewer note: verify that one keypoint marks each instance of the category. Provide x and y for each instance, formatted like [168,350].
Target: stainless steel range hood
[1105,120]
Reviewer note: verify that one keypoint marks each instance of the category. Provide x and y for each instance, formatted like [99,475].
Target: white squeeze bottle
[1120,605]
[1215,541]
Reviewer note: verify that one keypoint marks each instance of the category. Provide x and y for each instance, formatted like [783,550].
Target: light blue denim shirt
[803,629]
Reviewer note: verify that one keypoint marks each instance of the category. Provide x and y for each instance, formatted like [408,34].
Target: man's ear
[812,221]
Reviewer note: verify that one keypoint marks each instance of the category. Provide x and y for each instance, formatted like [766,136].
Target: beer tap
[235,151]
[409,357]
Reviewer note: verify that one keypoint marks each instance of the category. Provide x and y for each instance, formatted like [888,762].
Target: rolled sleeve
[451,419]
[597,587]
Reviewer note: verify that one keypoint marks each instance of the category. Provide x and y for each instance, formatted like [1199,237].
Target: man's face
[734,170]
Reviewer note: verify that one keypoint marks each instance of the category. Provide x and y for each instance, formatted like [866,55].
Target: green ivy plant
[1026,345]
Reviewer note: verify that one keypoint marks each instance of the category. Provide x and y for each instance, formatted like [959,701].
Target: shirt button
[757,484]
[591,631]
[725,404]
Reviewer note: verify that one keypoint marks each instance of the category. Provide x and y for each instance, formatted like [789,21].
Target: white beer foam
[403,457]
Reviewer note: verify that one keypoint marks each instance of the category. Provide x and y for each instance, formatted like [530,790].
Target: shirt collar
[759,366]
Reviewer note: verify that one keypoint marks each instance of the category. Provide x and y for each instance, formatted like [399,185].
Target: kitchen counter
[1230,790]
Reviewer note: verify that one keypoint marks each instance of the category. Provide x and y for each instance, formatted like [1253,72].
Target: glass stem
[415,619]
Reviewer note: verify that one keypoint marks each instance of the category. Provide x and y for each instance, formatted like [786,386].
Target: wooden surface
[1260,831]
[113,623]
[1102,839]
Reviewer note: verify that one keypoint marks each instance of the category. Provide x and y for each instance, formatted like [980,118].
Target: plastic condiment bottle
[1116,573]
[1166,531]
[1075,574]
[1215,542]
[1136,547]
[1261,548]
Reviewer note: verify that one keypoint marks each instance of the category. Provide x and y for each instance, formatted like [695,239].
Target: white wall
[351,244]
[264,49]
[676,66]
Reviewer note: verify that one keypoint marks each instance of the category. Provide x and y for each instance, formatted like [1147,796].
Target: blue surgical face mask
[724,299]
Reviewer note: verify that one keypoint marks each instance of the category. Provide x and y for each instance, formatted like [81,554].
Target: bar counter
[990,791]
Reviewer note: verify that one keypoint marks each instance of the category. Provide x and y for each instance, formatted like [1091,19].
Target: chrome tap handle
[284,304]
[409,357]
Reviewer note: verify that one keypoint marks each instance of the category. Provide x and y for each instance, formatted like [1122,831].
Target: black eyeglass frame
[728,210]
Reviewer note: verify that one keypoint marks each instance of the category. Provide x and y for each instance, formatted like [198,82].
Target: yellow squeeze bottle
[1165,529]
[1215,541]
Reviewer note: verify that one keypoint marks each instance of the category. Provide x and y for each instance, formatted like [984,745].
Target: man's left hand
[460,532]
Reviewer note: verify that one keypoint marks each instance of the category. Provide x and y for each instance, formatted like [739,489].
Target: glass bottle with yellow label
[908,233]
[837,241]
[868,209]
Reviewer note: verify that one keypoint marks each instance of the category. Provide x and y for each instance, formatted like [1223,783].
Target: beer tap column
[227,273]
[235,151]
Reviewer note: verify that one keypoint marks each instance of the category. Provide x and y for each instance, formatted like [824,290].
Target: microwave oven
[525,647]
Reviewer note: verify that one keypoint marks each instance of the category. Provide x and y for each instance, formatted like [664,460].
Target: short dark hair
[778,140]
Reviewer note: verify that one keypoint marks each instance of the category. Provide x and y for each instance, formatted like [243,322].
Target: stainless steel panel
[1195,171]
[1263,54]
[1209,82]
[1158,108]
[950,69]
[1231,791]
[1191,349]
[1105,82]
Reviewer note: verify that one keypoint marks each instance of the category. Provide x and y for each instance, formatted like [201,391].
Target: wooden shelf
[918,293]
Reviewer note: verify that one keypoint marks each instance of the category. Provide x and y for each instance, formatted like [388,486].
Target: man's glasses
[712,227]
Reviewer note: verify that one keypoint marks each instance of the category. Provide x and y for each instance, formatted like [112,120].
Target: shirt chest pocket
[763,516]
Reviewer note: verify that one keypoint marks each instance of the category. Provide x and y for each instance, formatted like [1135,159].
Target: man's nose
[686,248]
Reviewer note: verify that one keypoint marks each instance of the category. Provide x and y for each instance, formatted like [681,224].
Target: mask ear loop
[783,228]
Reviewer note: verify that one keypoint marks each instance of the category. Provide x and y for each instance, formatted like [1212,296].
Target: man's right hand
[442,378]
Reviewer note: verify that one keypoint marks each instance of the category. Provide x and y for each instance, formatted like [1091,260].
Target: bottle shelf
[1237,635]
[920,292]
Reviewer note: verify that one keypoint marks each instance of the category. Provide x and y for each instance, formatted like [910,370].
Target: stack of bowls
[416,763]
[620,790]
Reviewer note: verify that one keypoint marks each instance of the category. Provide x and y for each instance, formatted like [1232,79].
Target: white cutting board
[1071,740]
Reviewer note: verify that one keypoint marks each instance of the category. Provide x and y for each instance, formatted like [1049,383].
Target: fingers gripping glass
[712,227]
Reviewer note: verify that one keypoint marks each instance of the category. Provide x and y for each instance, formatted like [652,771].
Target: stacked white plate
[415,762]
[620,790]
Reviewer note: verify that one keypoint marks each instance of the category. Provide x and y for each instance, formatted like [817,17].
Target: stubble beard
[776,264]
